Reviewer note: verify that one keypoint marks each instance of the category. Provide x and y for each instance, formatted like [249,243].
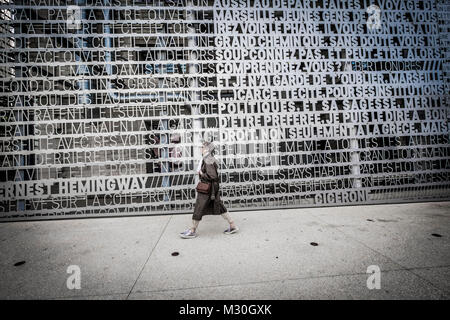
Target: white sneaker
[231,230]
[188,234]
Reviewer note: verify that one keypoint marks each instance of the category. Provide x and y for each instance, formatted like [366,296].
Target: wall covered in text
[105,103]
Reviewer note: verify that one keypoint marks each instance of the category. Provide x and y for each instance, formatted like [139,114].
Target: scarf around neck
[208,158]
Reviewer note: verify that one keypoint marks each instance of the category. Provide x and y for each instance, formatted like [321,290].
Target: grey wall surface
[104,104]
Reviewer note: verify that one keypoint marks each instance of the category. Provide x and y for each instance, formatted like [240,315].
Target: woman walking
[208,203]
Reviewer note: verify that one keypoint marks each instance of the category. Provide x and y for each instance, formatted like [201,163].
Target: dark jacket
[209,203]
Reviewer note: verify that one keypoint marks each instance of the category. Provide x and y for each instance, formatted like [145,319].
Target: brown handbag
[203,187]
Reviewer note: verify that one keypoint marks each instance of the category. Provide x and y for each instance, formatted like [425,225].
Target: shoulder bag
[203,187]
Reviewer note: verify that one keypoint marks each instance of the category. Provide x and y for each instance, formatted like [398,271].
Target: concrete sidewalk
[270,258]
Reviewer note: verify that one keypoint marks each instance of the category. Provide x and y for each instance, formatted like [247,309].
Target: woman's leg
[227,217]
[195,224]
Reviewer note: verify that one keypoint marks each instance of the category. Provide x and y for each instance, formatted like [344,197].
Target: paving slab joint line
[229,285]
[408,269]
[148,258]
[445,291]
[232,284]
[268,281]
[84,296]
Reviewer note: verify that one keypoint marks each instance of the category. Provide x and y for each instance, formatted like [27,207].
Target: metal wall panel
[104,104]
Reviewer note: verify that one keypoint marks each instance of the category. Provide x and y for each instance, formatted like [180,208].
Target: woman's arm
[211,173]
[199,167]
[212,176]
